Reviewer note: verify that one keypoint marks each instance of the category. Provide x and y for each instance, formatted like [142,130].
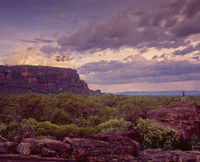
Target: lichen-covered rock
[184,118]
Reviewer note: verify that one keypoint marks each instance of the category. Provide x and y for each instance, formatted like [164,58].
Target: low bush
[44,129]
[155,136]
[115,124]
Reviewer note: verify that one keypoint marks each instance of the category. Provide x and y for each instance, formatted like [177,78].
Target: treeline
[75,115]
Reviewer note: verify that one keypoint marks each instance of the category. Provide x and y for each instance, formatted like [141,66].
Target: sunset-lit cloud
[31,56]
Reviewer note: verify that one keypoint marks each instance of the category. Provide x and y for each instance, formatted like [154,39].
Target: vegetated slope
[40,79]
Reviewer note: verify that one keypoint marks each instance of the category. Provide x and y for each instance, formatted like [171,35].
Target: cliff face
[40,79]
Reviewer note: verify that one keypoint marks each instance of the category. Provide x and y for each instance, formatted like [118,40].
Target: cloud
[187,50]
[159,57]
[31,56]
[37,40]
[47,49]
[164,28]
[139,70]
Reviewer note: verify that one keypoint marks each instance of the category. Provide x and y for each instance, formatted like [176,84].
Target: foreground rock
[61,148]
[7,147]
[20,158]
[45,147]
[150,155]
[184,118]
[24,148]
[122,148]
[158,155]
[116,147]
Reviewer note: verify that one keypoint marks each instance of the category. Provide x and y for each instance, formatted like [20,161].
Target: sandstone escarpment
[40,79]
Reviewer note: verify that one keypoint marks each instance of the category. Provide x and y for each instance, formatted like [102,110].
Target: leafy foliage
[115,124]
[67,114]
[155,136]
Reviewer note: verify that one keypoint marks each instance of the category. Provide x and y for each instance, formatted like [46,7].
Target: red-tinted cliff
[40,79]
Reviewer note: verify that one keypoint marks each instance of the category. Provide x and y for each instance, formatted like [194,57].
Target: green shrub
[115,124]
[59,116]
[108,112]
[14,129]
[155,136]
[44,129]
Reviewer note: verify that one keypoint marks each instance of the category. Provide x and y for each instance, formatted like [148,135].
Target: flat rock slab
[19,158]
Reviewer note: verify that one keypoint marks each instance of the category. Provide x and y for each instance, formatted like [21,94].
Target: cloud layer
[139,70]
[148,42]
[166,27]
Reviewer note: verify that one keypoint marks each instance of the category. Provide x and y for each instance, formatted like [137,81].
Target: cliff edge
[40,79]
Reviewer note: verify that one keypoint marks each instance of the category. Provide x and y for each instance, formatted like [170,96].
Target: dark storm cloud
[167,26]
[23,12]
[115,72]
[187,50]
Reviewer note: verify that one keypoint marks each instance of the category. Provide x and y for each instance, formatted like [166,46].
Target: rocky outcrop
[184,118]
[40,79]
[80,149]
[117,147]
[107,146]
[91,150]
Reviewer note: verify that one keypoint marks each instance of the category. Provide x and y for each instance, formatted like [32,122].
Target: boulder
[48,153]
[24,148]
[96,150]
[34,145]
[67,140]
[184,118]
[6,147]
[17,139]
[124,145]
[55,145]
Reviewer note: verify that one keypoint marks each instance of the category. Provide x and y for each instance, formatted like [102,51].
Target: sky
[115,45]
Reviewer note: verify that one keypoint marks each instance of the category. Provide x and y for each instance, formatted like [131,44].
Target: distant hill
[40,79]
[160,93]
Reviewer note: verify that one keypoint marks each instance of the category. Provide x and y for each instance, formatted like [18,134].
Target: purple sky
[116,45]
